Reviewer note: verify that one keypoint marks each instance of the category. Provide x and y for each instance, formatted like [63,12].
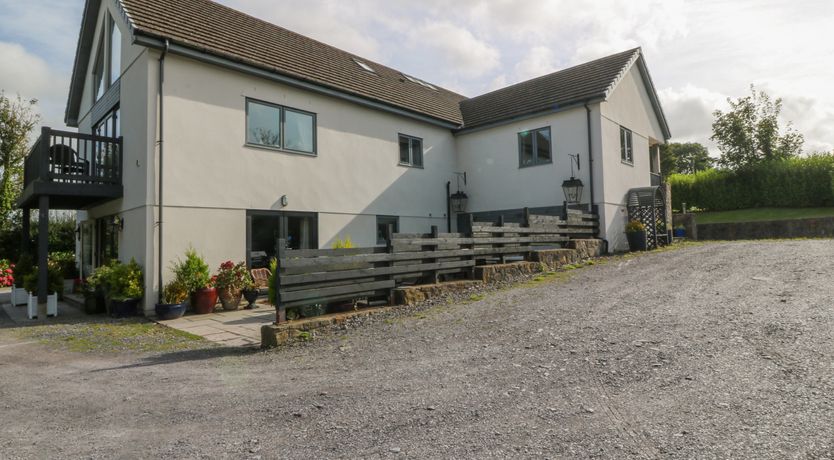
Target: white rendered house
[241,132]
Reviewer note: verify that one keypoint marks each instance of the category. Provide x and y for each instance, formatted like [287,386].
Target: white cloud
[31,77]
[689,111]
[457,47]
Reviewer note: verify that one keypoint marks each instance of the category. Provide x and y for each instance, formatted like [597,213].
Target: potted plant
[193,271]
[174,296]
[636,234]
[125,288]
[21,269]
[230,281]
[93,289]
[54,284]
[250,292]
[680,231]
[69,269]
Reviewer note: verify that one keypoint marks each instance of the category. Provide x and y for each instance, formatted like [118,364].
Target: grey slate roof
[580,83]
[209,28]
[219,30]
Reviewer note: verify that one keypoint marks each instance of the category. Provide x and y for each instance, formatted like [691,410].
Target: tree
[749,133]
[17,119]
[684,158]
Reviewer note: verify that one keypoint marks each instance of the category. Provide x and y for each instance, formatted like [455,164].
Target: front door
[265,228]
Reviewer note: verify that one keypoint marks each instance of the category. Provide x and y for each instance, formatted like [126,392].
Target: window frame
[391,220]
[626,146]
[411,163]
[536,161]
[103,63]
[281,131]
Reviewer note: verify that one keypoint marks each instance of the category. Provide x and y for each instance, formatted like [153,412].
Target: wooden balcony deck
[74,170]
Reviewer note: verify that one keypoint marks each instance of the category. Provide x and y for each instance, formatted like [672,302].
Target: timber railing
[74,158]
[318,276]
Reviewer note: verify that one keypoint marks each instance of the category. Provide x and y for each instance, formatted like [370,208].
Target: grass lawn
[761,214]
[113,335]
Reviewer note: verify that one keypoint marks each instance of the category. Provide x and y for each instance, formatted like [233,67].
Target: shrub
[6,273]
[54,279]
[343,244]
[66,263]
[175,292]
[791,183]
[193,272]
[273,269]
[24,266]
[634,226]
[233,277]
[125,281]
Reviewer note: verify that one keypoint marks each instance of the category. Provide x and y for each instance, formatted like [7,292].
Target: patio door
[86,249]
[106,241]
[265,228]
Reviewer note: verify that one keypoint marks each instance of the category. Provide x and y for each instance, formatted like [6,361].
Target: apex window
[411,151]
[279,127]
[108,65]
[534,147]
[626,147]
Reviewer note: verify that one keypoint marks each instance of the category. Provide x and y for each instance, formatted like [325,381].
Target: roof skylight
[364,66]
[420,82]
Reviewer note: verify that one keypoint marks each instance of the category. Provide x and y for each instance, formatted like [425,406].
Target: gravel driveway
[716,351]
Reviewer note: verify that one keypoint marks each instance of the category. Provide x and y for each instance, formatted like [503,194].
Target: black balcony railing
[74,158]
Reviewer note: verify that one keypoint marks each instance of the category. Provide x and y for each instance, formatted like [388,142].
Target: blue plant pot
[166,311]
[124,308]
[680,233]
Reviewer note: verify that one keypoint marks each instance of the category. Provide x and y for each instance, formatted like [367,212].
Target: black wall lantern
[459,199]
[118,223]
[573,186]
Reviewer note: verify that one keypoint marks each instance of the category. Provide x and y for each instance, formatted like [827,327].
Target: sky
[699,52]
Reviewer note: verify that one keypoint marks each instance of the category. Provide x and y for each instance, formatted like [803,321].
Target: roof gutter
[526,116]
[207,57]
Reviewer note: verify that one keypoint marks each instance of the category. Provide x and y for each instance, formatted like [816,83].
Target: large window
[383,224]
[109,125]
[411,151]
[108,64]
[265,228]
[275,126]
[534,147]
[626,147]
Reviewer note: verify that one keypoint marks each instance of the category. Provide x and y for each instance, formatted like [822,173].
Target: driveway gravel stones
[720,350]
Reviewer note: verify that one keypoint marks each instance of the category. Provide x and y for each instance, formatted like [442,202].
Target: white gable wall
[629,106]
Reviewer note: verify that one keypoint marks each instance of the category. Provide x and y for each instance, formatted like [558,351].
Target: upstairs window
[107,67]
[534,147]
[626,147]
[275,126]
[411,151]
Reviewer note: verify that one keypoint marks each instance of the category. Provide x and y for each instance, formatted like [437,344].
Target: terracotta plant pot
[229,298]
[203,300]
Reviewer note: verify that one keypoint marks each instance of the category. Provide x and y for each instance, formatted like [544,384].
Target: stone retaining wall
[409,295]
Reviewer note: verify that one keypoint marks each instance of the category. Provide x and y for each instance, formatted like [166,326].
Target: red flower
[9,270]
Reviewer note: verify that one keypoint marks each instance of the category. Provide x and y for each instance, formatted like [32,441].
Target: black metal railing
[74,158]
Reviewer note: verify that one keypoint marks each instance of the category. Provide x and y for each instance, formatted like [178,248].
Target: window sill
[277,149]
[627,163]
[541,163]
[406,165]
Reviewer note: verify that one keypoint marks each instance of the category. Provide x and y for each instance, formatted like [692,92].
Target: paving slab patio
[239,328]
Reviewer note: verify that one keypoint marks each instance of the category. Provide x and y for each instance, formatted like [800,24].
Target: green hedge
[793,183]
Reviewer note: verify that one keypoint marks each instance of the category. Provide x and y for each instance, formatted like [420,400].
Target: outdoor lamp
[118,223]
[573,189]
[459,200]
[573,186]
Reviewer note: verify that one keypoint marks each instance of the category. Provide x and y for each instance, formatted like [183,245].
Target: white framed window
[626,146]
[534,147]
[278,127]
[411,151]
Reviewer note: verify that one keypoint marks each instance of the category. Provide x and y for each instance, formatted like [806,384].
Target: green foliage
[54,279]
[273,272]
[175,292]
[686,158]
[17,119]
[791,183]
[125,281]
[97,281]
[343,244]
[749,133]
[233,276]
[634,226]
[66,261]
[24,266]
[61,234]
[193,272]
